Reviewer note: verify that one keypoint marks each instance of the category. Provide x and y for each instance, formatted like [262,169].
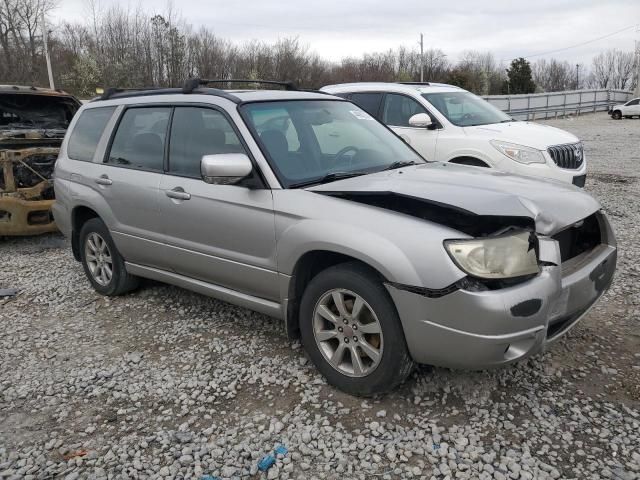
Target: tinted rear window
[87,132]
[139,141]
[369,102]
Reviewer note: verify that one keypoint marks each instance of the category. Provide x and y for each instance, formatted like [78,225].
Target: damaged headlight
[508,256]
[519,153]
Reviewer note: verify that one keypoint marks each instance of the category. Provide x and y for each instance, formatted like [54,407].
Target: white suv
[626,110]
[448,124]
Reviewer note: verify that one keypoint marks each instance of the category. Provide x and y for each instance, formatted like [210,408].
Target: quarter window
[196,132]
[398,109]
[139,141]
[87,132]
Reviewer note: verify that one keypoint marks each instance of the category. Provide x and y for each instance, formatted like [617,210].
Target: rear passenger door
[129,178]
[221,234]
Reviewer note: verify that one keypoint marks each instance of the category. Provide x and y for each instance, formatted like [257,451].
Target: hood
[552,205]
[528,134]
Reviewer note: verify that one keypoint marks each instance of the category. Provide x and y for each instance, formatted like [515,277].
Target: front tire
[103,265]
[616,115]
[351,330]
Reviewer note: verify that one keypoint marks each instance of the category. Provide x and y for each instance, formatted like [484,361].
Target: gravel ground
[167,383]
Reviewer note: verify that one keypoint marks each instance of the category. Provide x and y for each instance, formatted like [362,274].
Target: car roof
[177,95]
[270,95]
[411,88]
[33,90]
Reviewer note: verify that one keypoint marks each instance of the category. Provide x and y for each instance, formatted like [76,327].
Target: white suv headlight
[506,256]
[519,153]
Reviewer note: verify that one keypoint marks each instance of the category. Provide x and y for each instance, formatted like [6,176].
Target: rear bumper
[477,330]
[25,217]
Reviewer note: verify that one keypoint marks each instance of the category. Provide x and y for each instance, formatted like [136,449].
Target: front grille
[581,237]
[568,156]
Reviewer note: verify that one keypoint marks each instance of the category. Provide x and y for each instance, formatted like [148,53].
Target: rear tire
[373,356]
[103,265]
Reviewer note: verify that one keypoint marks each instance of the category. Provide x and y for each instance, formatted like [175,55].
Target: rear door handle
[178,194]
[104,180]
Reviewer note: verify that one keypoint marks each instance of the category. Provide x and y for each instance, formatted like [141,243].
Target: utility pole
[421,58]
[577,70]
[46,50]
[637,93]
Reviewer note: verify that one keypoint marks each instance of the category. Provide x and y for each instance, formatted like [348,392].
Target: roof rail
[414,83]
[192,83]
[111,91]
[115,92]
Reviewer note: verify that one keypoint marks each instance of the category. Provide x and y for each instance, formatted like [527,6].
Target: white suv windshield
[308,140]
[464,109]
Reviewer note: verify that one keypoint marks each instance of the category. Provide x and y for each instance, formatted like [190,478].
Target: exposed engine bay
[32,126]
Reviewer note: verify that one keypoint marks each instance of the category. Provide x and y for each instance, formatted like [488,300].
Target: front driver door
[221,234]
[397,109]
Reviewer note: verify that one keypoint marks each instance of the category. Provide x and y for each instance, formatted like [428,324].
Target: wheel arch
[307,266]
[79,216]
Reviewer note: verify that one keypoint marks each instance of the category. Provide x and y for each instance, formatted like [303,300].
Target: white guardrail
[554,104]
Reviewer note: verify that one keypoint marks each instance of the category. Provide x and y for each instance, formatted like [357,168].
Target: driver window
[634,102]
[398,109]
[196,132]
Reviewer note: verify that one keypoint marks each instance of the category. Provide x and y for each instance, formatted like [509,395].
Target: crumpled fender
[373,249]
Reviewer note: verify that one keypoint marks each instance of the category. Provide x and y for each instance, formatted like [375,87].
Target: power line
[583,43]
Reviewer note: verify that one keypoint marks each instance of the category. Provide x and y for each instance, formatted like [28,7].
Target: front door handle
[104,180]
[178,193]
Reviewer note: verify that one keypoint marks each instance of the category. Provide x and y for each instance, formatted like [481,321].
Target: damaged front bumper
[26,191]
[481,329]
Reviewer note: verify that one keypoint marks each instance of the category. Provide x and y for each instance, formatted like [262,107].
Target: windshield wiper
[329,177]
[399,164]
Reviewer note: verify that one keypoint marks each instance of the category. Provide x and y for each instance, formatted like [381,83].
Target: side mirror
[225,168]
[420,120]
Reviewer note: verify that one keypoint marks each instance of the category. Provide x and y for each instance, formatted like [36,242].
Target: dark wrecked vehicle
[33,122]
[304,207]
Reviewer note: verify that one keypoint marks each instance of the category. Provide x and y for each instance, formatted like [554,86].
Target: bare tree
[613,69]
[553,75]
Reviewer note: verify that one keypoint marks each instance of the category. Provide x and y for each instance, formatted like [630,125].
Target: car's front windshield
[464,109]
[309,141]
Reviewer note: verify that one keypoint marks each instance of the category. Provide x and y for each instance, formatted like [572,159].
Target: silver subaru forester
[302,206]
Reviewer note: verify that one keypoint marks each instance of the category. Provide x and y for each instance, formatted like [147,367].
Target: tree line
[131,48]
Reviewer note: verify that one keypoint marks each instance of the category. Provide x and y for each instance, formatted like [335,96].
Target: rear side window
[369,102]
[87,132]
[196,132]
[139,141]
[398,109]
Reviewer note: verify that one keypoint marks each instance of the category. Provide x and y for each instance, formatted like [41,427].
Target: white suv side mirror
[225,168]
[420,120]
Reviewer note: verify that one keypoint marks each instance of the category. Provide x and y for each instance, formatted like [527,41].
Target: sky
[340,28]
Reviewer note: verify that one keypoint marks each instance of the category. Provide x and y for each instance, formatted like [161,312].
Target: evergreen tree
[519,76]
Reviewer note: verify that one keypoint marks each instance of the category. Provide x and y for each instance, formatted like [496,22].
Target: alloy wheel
[347,332]
[98,258]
